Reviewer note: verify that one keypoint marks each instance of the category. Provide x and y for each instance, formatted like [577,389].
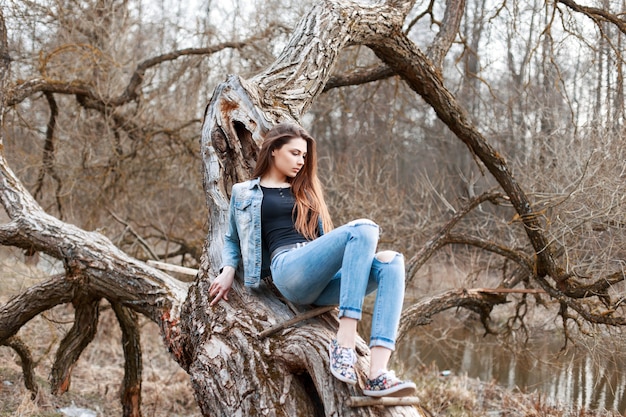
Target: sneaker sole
[337,374]
[402,390]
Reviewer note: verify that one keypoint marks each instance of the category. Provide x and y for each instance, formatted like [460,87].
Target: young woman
[279,220]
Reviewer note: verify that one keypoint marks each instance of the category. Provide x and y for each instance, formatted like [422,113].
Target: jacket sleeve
[231,253]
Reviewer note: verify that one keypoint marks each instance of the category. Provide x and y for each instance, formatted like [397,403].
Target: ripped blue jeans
[341,267]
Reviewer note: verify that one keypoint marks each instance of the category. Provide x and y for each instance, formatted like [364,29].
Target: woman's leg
[379,359]
[303,274]
[340,268]
[388,271]
[388,276]
[346,334]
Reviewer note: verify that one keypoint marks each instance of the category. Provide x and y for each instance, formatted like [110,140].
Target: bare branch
[598,288]
[25,89]
[448,30]
[28,365]
[428,249]
[5,66]
[596,14]
[297,319]
[130,93]
[75,341]
[588,315]
[419,16]
[359,76]
[516,256]
[131,388]
[47,166]
[35,300]
[422,312]
[141,240]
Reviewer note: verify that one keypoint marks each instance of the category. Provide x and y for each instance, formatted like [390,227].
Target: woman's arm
[231,253]
[231,256]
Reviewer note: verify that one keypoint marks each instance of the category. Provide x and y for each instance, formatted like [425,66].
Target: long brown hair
[306,187]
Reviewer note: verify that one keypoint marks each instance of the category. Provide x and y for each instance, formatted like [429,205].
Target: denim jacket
[242,242]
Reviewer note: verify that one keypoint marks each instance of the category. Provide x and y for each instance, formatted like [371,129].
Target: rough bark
[75,341]
[131,343]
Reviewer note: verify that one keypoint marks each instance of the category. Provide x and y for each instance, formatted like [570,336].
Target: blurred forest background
[113,141]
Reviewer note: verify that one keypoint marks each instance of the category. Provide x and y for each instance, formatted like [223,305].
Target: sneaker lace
[348,356]
[390,376]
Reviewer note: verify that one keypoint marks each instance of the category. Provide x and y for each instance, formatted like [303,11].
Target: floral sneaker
[342,362]
[387,385]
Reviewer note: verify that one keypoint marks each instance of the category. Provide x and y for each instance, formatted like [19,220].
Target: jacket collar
[254,182]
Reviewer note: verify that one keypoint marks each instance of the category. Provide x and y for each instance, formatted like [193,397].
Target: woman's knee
[364,227]
[360,222]
[387,256]
[390,267]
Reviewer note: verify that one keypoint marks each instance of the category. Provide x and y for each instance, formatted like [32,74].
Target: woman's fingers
[220,287]
[218,293]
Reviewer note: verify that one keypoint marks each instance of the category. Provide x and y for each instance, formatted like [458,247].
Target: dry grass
[460,396]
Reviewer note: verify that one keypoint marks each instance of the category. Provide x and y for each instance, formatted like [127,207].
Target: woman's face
[289,159]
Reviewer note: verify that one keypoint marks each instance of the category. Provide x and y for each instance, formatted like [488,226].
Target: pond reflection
[590,376]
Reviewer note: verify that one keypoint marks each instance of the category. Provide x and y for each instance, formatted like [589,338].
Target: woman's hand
[220,287]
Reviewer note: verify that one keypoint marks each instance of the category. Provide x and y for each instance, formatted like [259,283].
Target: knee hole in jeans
[386,256]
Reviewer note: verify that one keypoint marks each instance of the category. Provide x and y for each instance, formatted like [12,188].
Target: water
[591,374]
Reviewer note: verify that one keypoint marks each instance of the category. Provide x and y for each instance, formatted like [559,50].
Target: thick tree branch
[596,14]
[477,301]
[36,299]
[20,92]
[130,392]
[287,88]
[86,314]
[359,76]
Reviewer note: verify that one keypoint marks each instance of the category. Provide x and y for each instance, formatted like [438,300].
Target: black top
[277,218]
